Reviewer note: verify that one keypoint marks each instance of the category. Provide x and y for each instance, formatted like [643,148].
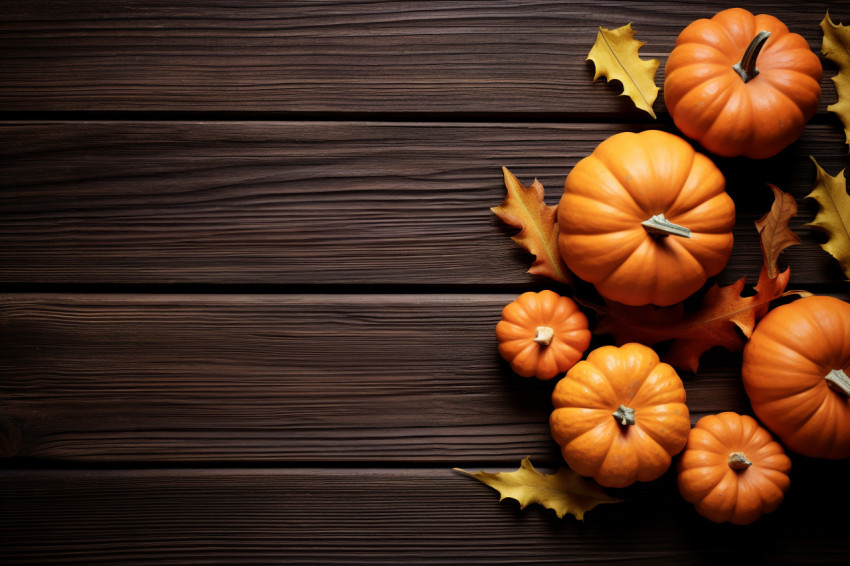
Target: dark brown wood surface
[357,57]
[332,202]
[249,281]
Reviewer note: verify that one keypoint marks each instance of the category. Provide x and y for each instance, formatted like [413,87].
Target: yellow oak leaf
[524,208]
[773,229]
[836,48]
[615,56]
[564,491]
[833,218]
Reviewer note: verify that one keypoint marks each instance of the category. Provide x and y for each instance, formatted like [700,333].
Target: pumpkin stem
[625,415]
[838,381]
[737,461]
[658,225]
[746,67]
[543,335]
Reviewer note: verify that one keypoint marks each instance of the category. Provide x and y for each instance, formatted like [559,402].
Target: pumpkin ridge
[732,110]
[715,108]
[778,89]
[736,14]
[608,211]
[701,180]
[664,442]
[625,184]
[728,483]
[603,443]
[650,446]
[592,163]
[711,205]
[588,385]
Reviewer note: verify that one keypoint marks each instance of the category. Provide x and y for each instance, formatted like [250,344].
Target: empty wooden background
[250,279]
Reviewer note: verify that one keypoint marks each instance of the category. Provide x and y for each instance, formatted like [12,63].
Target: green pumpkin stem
[544,335]
[658,225]
[738,461]
[838,381]
[746,67]
[625,415]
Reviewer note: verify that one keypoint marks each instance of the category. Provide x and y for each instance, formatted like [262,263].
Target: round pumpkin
[620,415]
[542,334]
[732,470]
[742,84]
[796,372]
[646,219]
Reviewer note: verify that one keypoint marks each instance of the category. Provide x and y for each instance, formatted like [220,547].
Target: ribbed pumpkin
[542,334]
[796,373]
[742,84]
[620,415]
[732,469]
[646,219]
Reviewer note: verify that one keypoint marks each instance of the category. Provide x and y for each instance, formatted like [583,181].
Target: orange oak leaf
[725,319]
[773,229]
[524,208]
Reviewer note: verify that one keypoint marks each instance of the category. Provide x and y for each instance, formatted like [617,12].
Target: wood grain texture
[339,203]
[493,56]
[287,378]
[370,516]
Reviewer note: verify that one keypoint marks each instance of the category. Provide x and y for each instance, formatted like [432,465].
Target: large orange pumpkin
[742,84]
[542,334]
[732,469]
[646,219]
[796,373]
[620,415]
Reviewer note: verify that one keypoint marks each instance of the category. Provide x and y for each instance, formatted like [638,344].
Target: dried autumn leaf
[836,48]
[615,56]
[773,229]
[833,218]
[721,320]
[564,491]
[524,208]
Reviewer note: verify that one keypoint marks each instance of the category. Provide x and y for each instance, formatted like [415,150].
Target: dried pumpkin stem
[839,381]
[738,461]
[746,67]
[625,415]
[544,335]
[658,225]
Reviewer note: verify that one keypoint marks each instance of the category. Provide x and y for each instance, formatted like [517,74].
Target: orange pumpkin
[796,373]
[742,84]
[646,219]
[620,415]
[542,334]
[732,470]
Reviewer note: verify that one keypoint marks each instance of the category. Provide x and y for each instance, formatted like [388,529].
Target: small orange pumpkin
[742,84]
[796,372]
[646,219]
[620,415]
[732,470]
[542,334]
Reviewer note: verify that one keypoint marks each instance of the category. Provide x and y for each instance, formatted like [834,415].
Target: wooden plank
[331,202]
[300,378]
[494,56]
[371,516]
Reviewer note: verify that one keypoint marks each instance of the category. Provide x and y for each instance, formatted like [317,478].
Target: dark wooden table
[250,280]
